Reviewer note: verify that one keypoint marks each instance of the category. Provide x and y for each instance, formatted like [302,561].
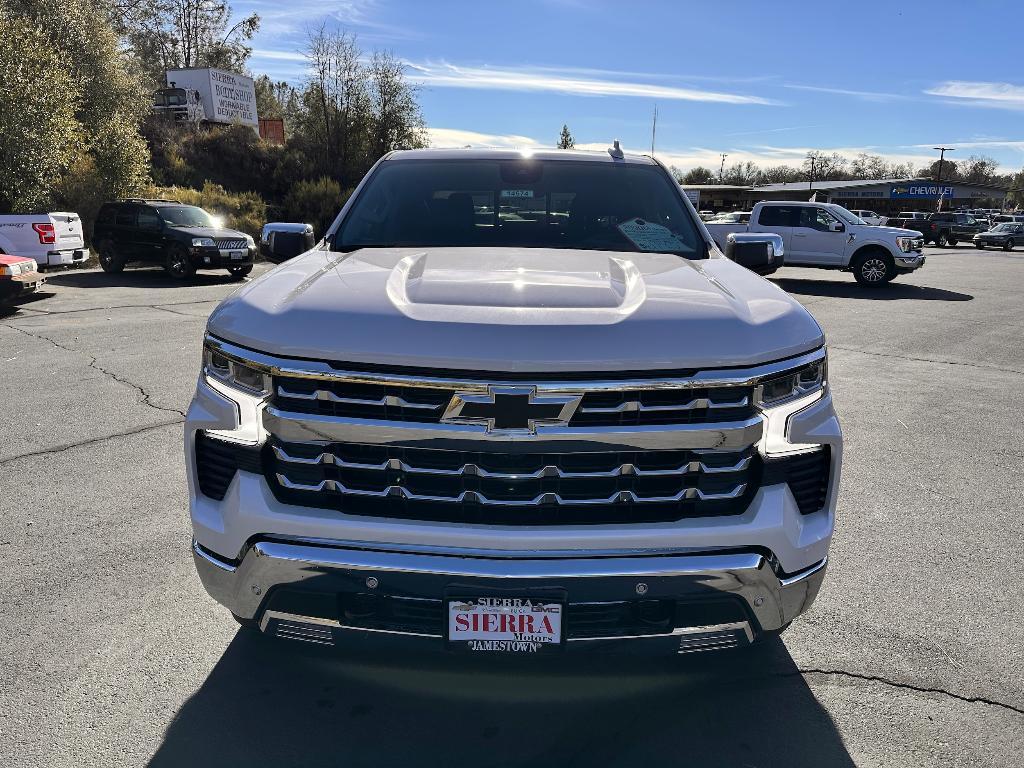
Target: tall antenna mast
[654,128]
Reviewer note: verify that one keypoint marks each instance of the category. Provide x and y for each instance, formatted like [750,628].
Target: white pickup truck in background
[52,239]
[828,236]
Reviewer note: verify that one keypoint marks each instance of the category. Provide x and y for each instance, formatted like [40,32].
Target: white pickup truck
[51,239]
[514,403]
[830,237]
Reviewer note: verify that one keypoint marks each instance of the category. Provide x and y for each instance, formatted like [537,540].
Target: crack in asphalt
[40,312]
[927,360]
[907,686]
[91,441]
[94,364]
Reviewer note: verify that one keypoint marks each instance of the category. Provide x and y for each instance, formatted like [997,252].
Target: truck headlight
[245,386]
[779,397]
[203,242]
[905,244]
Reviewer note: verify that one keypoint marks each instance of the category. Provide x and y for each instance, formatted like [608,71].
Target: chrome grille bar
[699,403]
[329,396]
[620,497]
[473,470]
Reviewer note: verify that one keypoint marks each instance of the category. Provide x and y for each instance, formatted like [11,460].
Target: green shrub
[244,211]
[315,202]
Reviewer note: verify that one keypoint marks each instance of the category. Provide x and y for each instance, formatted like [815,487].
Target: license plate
[237,255]
[505,624]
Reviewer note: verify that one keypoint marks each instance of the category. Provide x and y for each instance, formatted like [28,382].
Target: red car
[19,277]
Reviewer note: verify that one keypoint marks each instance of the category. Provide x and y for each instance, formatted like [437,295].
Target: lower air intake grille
[513,489]
[807,475]
[218,460]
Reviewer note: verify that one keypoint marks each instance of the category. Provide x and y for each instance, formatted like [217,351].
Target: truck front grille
[513,489]
[231,244]
[426,404]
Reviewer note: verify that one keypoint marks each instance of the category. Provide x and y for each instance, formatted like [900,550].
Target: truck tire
[980,246]
[874,268]
[179,265]
[110,262]
[240,271]
[952,241]
[1008,245]
[940,241]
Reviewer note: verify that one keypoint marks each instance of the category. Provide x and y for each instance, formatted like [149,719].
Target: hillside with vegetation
[83,72]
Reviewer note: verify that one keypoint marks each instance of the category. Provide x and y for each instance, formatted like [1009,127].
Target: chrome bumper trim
[304,427]
[749,576]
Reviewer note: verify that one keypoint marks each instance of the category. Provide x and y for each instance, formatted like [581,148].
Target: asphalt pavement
[111,653]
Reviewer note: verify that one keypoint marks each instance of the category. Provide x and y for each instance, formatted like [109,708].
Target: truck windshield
[521,203]
[185,216]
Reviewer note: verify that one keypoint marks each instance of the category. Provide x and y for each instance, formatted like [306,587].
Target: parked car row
[181,238]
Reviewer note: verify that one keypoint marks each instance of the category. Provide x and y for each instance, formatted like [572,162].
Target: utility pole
[942,156]
[721,171]
[810,180]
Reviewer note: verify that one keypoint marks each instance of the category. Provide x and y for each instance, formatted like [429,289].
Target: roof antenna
[615,150]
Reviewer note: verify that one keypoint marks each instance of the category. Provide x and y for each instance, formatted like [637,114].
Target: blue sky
[762,81]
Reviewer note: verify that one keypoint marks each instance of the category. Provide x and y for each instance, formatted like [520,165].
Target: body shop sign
[234,98]
[926,191]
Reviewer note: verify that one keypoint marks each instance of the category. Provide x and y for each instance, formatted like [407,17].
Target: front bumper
[20,286]
[910,261]
[300,590]
[215,258]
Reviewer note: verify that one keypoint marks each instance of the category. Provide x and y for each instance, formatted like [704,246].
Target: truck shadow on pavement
[270,702]
[138,278]
[852,290]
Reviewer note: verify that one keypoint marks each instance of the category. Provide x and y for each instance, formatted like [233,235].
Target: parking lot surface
[112,654]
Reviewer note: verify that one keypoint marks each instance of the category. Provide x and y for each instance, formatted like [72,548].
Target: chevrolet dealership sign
[927,191]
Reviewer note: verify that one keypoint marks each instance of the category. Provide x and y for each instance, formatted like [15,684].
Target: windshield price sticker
[510,193]
[504,624]
[651,237]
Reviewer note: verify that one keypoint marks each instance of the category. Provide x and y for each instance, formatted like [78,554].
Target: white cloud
[444,75]
[865,95]
[448,138]
[980,94]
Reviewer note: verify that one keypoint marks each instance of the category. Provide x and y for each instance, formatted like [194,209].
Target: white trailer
[226,97]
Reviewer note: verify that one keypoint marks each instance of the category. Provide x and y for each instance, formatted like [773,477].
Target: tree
[949,171]
[821,166]
[698,175]
[37,140]
[397,122]
[168,34]
[978,170]
[88,113]
[741,174]
[565,139]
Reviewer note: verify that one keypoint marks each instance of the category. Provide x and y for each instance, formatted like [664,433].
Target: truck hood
[516,309]
[896,231]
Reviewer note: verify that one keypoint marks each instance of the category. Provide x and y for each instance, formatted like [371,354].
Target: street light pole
[721,171]
[942,156]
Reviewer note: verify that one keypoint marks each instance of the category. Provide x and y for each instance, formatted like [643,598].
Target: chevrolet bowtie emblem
[511,409]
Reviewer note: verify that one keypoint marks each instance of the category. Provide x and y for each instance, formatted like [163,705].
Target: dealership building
[884,196]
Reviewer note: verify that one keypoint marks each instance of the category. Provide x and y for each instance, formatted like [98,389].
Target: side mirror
[281,241]
[760,252]
[838,227]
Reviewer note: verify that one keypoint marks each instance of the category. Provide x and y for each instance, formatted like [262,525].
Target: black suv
[182,238]
[945,228]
